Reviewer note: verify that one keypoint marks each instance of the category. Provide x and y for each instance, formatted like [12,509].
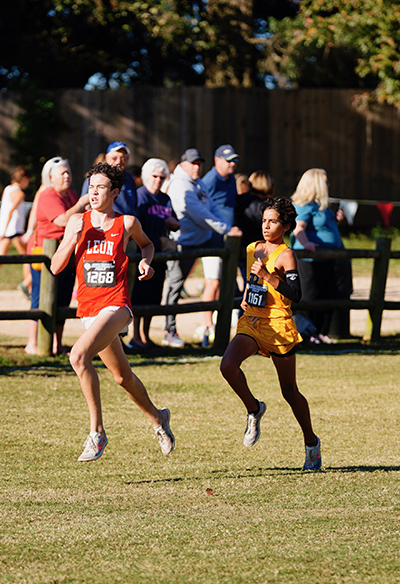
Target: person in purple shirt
[155,213]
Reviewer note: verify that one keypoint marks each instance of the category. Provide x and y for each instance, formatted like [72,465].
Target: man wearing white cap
[117,154]
[198,216]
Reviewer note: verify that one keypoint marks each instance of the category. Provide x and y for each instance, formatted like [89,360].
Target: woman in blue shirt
[316,228]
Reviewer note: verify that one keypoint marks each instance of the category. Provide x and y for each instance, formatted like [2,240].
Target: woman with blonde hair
[262,184]
[316,228]
[54,204]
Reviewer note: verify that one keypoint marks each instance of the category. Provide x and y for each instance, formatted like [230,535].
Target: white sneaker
[172,340]
[313,456]
[93,447]
[163,433]
[252,432]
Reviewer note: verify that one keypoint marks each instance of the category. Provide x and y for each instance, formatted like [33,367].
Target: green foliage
[63,43]
[35,126]
[340,43]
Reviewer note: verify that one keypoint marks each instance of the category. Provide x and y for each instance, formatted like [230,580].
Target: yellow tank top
[276,305]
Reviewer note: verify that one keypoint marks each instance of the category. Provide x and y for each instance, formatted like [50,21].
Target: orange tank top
[267,302]
[101,267]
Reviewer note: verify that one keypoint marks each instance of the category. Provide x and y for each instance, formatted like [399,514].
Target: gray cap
[191,154]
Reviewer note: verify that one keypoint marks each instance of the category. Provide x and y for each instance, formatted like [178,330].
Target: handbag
[36,250]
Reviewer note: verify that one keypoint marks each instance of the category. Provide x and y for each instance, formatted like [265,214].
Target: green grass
[136,516]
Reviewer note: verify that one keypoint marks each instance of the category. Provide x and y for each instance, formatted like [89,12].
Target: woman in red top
[99,239]
[56,204]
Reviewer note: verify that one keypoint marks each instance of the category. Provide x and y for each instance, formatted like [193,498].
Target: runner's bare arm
[286,267]
[134,230]
[71,237]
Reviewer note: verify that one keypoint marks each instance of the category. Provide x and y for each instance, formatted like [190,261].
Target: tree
[339,43]
[64,43]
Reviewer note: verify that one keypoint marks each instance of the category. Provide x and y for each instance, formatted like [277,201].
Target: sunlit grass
[214,511]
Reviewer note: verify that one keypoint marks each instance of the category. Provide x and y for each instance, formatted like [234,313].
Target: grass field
[214,511]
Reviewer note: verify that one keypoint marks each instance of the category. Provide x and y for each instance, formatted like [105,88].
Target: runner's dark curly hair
[285,208]
[114,173]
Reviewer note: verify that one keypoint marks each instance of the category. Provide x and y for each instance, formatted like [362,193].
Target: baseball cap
[226,151]
[191,154]
[117,146]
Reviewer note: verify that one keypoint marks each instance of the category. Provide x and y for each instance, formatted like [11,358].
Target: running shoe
[172,340]
[252,432]
[163,433]
[93,447]
[25,291]
[313,456]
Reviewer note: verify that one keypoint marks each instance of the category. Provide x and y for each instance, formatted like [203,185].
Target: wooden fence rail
[48,313]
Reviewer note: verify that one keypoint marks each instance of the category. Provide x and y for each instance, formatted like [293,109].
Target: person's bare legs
[210,293]
[4,246]
[26,270]
[102,338]
[31,347]
[239,349]
[116,362]
[286,369]
[136,331]
[146,329]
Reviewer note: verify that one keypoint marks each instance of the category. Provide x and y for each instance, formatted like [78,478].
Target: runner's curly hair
[285,208]
[114,173]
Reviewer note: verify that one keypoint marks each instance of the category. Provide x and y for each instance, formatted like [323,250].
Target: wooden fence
[284,132]
[376,304]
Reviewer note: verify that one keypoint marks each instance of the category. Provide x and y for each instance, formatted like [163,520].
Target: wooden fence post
[377,292]
[227,293]
[47,302]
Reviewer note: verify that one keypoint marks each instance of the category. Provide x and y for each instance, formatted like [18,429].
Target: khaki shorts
[212,267]
[89,320]
[278,336]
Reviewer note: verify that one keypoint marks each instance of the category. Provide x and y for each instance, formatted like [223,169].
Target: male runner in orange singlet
[99,238]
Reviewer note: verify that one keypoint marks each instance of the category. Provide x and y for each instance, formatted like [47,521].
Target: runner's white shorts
[88,320]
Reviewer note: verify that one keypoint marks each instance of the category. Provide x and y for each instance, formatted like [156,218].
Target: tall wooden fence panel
[284,132]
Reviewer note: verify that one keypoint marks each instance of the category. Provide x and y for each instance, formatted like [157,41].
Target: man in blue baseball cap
[221,185]
[117,154]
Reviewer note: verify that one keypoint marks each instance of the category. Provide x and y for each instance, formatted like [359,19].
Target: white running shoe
[313,456]
[163,433]
[93,447]
[172,340]
[252,432]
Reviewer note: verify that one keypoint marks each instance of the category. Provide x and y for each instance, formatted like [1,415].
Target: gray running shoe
[163,433]
[313,456]
[172,340]
[93,447]
[252,432]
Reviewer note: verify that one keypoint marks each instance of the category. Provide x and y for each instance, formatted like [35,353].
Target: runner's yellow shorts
[278,336]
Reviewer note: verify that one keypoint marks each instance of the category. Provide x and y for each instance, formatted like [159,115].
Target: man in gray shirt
[198,217]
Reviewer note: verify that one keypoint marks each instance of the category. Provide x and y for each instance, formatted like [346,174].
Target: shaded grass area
[214,511]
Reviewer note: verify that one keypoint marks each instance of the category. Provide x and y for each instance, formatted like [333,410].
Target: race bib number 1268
[99,274]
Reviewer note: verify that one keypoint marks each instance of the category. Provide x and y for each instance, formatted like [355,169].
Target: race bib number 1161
[256,294]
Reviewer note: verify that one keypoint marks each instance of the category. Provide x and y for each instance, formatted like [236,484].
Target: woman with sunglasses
[55,204]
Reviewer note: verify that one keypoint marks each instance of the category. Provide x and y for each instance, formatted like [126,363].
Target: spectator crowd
[180,208]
